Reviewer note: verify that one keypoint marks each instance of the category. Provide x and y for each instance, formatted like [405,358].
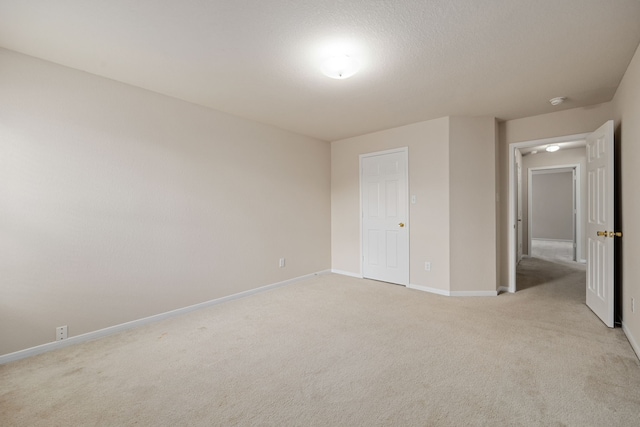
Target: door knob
[609,233]
[401,224]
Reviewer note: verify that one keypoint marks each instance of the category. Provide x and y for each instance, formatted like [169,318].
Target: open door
[519,207]
[600,223]
[576,191]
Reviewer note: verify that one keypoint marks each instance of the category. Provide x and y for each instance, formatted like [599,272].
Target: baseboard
[454,293]
[503,289]
[632,340]
[474,293]
[346,273]
[428,289]
[101,333]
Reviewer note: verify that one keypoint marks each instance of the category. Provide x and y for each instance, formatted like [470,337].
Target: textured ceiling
[421,59]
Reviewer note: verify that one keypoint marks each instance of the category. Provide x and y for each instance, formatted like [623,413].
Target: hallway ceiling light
[552,148]
[340,67]
[558,100]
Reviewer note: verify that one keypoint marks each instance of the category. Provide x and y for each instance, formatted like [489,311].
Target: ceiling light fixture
[340,67]
[552,148]
[558,100]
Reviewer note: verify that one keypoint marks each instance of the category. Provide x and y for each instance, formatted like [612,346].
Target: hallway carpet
[339,351]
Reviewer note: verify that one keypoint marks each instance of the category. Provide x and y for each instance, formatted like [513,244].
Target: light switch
[413,199]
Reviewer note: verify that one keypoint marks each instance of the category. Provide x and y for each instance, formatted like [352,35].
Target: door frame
[512,196]
[577,203]
[402,150]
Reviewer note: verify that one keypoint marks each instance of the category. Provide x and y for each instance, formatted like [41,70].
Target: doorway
[554,219]
[515,156]
[600,171]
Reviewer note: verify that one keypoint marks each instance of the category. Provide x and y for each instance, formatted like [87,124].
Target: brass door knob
[609,233]
[401,224]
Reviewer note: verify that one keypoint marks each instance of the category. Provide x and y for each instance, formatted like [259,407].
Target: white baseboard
[454,293]
[347,273]
[428,289]
[503,289]
[90,336]
[632,340]
[474,293]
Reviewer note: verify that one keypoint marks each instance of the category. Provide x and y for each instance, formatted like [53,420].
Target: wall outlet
[427,266]
[281,262]
[61,333]
[633,305]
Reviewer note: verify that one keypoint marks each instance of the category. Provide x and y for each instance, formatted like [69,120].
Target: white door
[600,194]
[385,225]
[519,210]
[575,215]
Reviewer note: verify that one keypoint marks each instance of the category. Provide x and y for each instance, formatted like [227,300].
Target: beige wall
[626,107]
[472,184]
[451,173]
[544,159]
[428,181]
[567,122]
[117,203]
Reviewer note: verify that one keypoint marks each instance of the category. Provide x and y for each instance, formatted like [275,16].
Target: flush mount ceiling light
[558,100]
[340,67]
[552,148]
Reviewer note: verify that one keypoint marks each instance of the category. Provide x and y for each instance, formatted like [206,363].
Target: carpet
[341,351]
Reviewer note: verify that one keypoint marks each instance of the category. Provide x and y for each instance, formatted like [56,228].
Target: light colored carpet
[338,351]
[552,250]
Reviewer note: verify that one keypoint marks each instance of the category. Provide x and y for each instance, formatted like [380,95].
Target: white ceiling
[421,59]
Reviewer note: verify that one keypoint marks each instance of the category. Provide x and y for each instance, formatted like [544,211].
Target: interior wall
[117,203]
[567,122]
[626,108]
[545,159]
[452,175]
[472,186]
[428,181]
[552,209]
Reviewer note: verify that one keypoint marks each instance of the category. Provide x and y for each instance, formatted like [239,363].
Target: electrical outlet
[427,266]
[281,262]
[633,305]
[61,333]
